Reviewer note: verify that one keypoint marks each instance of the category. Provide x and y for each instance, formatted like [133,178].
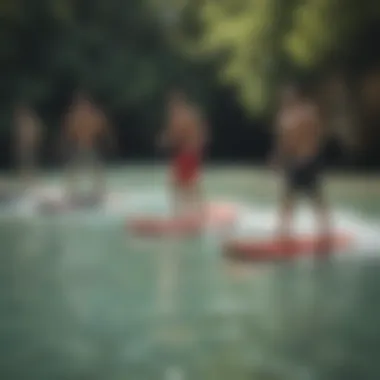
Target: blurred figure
[28,134]
[185,135]
[297,154]
[84,132]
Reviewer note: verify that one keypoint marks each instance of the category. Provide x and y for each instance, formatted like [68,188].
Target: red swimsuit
[186,167]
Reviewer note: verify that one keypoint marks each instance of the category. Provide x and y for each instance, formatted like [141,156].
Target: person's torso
[186,131]
[300,135]
[86,129]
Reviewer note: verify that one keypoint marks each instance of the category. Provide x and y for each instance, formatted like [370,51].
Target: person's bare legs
[72,177]
[26,178]
[187,202]
[322,214]
[286,217]
[195,201]
[26,170]
[99,181]
[177,201]
[73,173]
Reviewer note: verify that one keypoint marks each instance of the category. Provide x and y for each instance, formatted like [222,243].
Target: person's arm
[199,129]
[276,154]
[313,124]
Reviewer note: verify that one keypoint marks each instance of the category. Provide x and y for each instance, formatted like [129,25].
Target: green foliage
[126,53]
[241,34]
[114,49]
[120,52]
[259,43]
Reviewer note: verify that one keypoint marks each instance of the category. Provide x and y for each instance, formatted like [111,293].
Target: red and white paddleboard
[217,216]
[272,249]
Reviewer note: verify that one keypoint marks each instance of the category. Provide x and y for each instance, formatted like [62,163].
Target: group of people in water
[84,131]
[296,156]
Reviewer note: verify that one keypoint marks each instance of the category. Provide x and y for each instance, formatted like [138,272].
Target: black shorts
[304,176]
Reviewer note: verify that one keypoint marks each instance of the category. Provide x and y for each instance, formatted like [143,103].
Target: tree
[115,50]
[260,42]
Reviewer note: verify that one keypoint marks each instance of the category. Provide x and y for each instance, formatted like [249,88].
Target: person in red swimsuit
[185,135]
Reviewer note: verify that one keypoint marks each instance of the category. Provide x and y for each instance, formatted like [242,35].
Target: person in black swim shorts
[304,176]
[297,155]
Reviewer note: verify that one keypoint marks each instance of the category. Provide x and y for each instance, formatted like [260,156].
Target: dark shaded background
[127,55]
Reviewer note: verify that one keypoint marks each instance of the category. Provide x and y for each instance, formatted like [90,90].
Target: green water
[86,300]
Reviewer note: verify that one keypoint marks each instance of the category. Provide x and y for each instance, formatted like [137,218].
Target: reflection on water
[89,302]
